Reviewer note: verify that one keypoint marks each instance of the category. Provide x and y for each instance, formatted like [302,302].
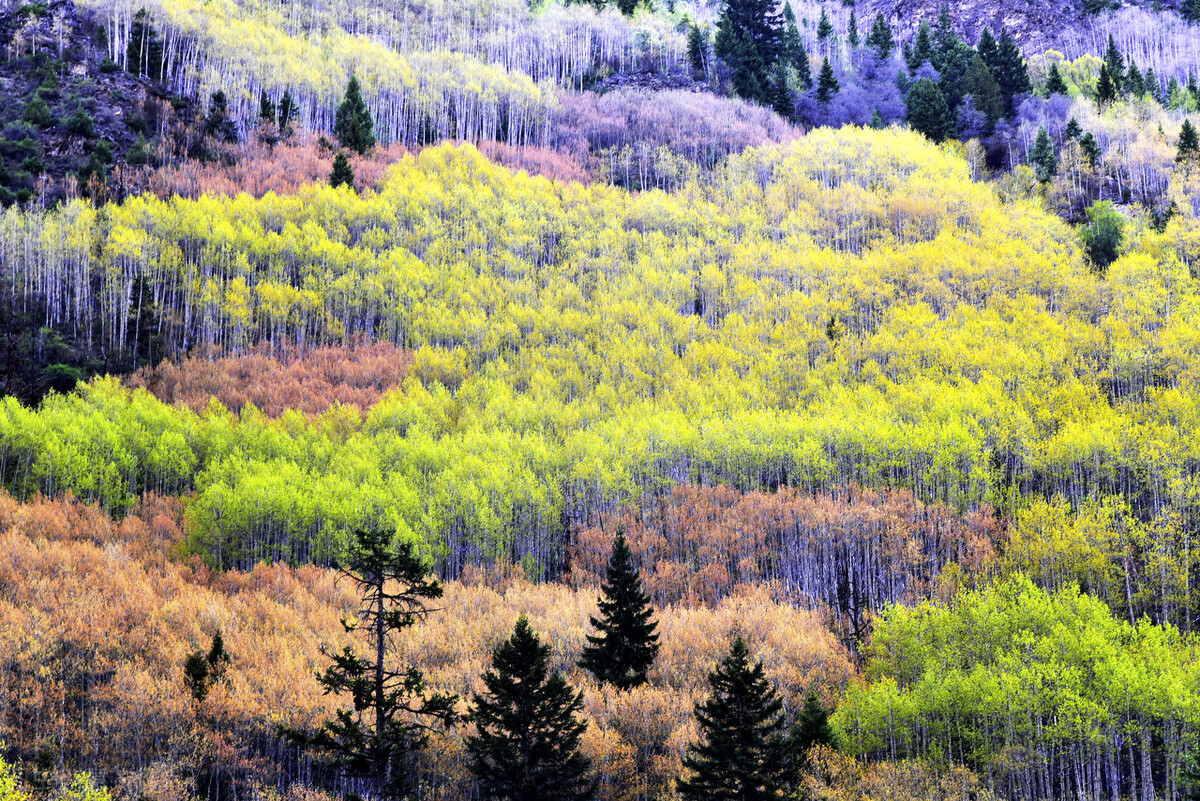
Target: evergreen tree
[287,112]
[1134,84]
[1103,235]
[202,672]
[988,50]
[1190,10]
[827,83]
[625,646]
[922,48]
[1043,157]
[852,32]
[353,125]
[793,49]
[984,90]
[1115,63]
[742,754]
[881,38]
[749,40]
[824,26]
[876,120]
[1073,129]
[1010,71]
[266,109]
[627,7]
[945,40]
[1055,85]
[219,123]
[37,112]
[144,54]
[811,728]
[392,711]
[527,745]
[1106,89]
[698,50]
[1090,149]
[927,110]
[1151,85]
[343,173]
[1174,93]
[1189,144]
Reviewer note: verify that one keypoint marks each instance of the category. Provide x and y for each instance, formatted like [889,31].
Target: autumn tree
[742,754]
[625,644]
[527,745]
[393,712]
[353,125]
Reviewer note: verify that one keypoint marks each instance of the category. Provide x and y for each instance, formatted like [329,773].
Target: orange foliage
[311,381]
[96,620]
[556,165]
[850,551]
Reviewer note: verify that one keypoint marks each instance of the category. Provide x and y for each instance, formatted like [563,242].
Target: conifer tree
[1010,71]
[793,49]
[927,110]
[827,83]
[988,50]
[1189,144]
[811,728]
[1190,10]
[742,753]
[876,120]
[852,31]
[1073,130]
[266,109]
[392,711]
[1043,157]
[922,48]
[353,125]
[37,112]
[219,124]
[1151,85]
[202,672]
[287,113]
[1090,148]
[1134,84]
[343,173]
[984,90]
[698,49]
[527,745]
[625,646]
[881,38]
[824,26]
[1055,85]
[1106,88]
[1115,63]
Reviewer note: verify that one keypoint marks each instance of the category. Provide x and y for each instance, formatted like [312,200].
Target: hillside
[599,401]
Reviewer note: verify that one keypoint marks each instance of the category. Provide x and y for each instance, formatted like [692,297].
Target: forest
[677,400]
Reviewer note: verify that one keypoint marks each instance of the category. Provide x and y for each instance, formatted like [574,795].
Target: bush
[108,66]
[33,165]
[38,113]
[80,123]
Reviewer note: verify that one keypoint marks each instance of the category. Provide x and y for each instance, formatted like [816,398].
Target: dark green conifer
[343,173]
[1190,10]
[852,31]
[793,49]
[1043,156]
[625,644]
[742,755]
[827,83]
[1116,65]
[1055,85]
[287,113]
[37,112]
[922,48]
[266,109]
[219,123]
[881,38]
[749,40]
[1073,130]
[1090,149]
[698,50]
[353,125]
[1189,144]
[1134,84]
[824,26]
[1106,88]
[202,672]
[1010,71]
[811,729]
[984,90]
[528,727]
[927,110]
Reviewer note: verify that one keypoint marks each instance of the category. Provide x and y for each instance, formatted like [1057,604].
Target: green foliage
[880,38]
[1055,85]
[1091,149]
[145,54]
[528,727]
[698,49]
[139,154]
[824,26]
[1115,64]
[625,644]
[1106,88]
[827,83]
[1190,10]
[83,788]
[750,39]
[219,123]
[343,173]
[80,123]
[354,126]
[1104,234]
[267,112]
[203,671]
[742,752]
[1189,143]
[1043,156]
[794,53]
[983,89]
[927,110]
[37,112]
[1009,70]
[852,29]
[812,728]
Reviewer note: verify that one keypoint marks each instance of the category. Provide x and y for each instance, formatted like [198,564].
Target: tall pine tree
[793,49]
[927,110]
[749,40]
[343,173]
[527,745]
[880,38]
[827,83]
[1043,157]
[1106,87]
[1010,71]
[353,125]
[625,644]
[1189,145]
[743,753]
[1115,63]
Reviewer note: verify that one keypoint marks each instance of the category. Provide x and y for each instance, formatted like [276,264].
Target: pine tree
[1190,10]
[219,124]
[1073,130]
[627,7]
[927,110]
[876,120]
[811,729]
[742,754]
[625,646]
[392,711]
[1189,144]
[1090,149]
[988,50]
[852,31]
[343,173]
[1134,84]
[1103,236]
[793,49]
[1043,157]
[37,112]
[1055,85]
[1116,65]
[353,125]
[984,90]
[1152,87]
[1010,71]
[287,113]
[266,109]
[1106,89]
[824,26]
[698,50]
[202,672]
[881,38]
[749,40]
[827,83]
[527,745]
[922,48]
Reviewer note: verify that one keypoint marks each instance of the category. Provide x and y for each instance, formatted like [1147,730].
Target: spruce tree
[824,26]
[1010,71]
[527,744]
[287,113]
[881,38]
[922,48]
[1190,10]
[876,120]
[343,173]
[1106,89]
[1055,85]
[793,49]
[742,753]
[1134,84]
[698,49]
[625,646]
[852,31]
[202,672]
[1115,63]
[37,112]
[927,110]
[988,50]
[1073,130]
[984,90]
[1189,144]
[266,109]
[392,711]
[1151,85]
[811,728]
[353,125]
[749,40]
[827,83]
[1090,149]
[1043,157]
[219,123]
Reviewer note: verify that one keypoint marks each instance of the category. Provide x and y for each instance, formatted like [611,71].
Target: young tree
[625,646]
[881,38]
[266,109]
[811,728]
[1103,235]
[343,173]
[287,113]
[202,672]
[353,125]
[1135,86]
[1043,157]
[219,124]
[527,745]
[1189,144]
[984,90]
[698,49]
[1055,85]
[742,756]
[922,48]
[392,712]
[927,110]
[827,84]
[37,112]
[781,96]
[1073,130]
